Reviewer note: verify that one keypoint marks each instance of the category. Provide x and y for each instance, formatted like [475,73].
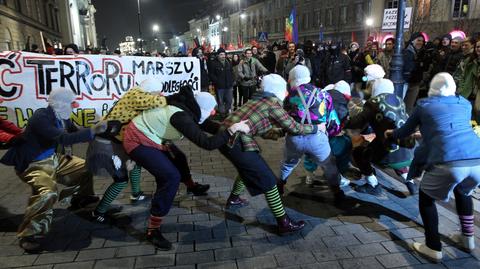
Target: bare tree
[422,11]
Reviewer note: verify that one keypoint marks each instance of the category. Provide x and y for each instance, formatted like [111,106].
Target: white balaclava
[207,104]
[343,87]
[299,75]
[373,71]
[381,86]
[275,84]
[442,84]
[329,87]
[60,100]
[151,85]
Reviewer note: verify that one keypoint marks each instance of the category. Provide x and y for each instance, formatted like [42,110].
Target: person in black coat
[221,75]
[413,68]
[204,80]
[337,66]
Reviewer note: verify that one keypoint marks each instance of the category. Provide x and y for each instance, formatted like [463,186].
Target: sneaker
[466,243]
[157,239]
[137,197]
[344,182]
[433,255]
[30,244]
[198,189]
[369,189]
[99,217]
[412,187]
[235,202]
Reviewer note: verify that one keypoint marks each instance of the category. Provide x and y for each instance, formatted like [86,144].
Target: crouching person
[43,160]
[149,141]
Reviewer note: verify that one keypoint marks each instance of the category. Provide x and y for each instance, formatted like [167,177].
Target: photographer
[248,71]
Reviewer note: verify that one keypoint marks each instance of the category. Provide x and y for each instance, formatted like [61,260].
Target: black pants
[364,156]
[246,93]
[429,214]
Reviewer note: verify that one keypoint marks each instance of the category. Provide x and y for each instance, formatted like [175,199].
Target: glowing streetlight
[369,22]
[163,42]
[181,44]
[139,39]
[177,38]
[218,17]
[225,29]
[243,16]
[156,28]
[198,30]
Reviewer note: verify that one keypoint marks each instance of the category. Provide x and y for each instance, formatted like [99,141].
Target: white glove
[239,127]
[100,127]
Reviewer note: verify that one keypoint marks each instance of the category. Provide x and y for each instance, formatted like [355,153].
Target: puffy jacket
[337,67]
[467,78]
[221,74]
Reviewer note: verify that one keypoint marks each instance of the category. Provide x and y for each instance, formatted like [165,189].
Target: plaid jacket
[263,113]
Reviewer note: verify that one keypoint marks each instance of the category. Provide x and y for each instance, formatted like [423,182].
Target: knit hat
[151,85]
[343,87]
[207,104]
[381,86]
[373,71]
[299,75]
[276,85]
[415,36]
[61,101]
[442,84]
[220,50]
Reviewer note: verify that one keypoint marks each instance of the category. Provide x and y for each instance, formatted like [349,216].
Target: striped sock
[467,225]
[135,175]
[238,186]
[110,194]
[274,202]
[154,222]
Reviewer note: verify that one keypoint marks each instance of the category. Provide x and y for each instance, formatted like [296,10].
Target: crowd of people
[335,106]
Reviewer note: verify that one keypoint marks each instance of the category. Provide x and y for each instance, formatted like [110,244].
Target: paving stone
[367,250]
[193,217]
[17,261]
[195,235]
[75,265]
[349,229]
[11,250]
[155,260]
[463,263]
[396,246]
[373,237]
[115,263]
[96,254]
[50,266]
[135,251]
[233,253]
[7,240]
[218,265]
[294,258]
[355,219]
[330,254]
[425,266]
[195,257]
[329,265]
[407,233]
[57,257]
[361,263]
[212,244]
[245,240]
[259,262]
[455,253]
[304,245]
[397,259]
[340,241]
[268,249]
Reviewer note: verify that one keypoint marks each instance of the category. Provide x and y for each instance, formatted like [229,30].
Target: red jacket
[8,130]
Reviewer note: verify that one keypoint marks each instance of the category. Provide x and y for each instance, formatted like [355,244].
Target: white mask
[63,111]
[204,116]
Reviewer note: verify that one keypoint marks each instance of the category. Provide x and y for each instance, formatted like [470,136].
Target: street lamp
[155,28]
[369,23]
[225,29]
[198,30]
[139,22]
[218,17]
[243,16]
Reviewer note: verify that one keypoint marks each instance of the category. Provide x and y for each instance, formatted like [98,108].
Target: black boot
[198,189]
[157,239]
[286,225]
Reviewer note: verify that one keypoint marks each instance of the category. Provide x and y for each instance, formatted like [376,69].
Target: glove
[99,128]
[239,127]
[113,129]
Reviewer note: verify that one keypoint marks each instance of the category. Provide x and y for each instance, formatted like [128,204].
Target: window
[329,20]
[392,4]
[359,13]
[343,15]
[460,8]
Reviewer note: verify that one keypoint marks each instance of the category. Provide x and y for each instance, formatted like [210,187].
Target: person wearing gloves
[149,141]
[384,110]
[307,103]
[44,161]
[107,153]
[452,161]
[264,113]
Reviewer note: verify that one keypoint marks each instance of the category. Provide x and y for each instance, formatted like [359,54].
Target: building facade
[78,23]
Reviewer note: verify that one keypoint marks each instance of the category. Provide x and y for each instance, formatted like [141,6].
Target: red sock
[189,183]
[154,222]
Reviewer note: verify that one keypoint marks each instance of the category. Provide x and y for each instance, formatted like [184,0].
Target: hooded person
[149,140]
[383,111]
[44,160]
[264,113]
[337,66]
[372,73]
[452,158]
[308,104]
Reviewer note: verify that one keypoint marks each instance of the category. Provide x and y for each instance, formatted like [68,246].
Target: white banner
[390,19]
[26,79]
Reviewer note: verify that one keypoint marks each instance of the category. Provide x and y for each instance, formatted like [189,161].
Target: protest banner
[98,81]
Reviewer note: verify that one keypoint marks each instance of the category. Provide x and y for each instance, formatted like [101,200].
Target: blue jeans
[317,147]
[224,100]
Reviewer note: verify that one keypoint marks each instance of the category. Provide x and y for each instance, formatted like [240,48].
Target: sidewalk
[369,232]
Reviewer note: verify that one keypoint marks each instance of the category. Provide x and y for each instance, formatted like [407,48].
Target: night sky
[116,19]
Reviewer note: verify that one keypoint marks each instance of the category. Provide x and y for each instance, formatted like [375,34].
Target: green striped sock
[110,194]
[238,186]
[135,176]
[274,202]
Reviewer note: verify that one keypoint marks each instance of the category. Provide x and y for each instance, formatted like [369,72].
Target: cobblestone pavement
[368,232]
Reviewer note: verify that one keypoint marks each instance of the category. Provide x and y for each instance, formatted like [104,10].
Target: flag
[291,27]
[320,37]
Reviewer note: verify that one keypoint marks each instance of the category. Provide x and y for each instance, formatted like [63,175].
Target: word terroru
[79,75]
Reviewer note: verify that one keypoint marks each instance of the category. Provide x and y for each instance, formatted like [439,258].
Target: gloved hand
[113,128]
[239,127]
[100,127]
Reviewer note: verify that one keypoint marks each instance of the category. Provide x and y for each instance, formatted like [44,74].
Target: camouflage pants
[52,180]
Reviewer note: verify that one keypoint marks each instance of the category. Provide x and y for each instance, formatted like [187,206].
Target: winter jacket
[444,123]
[337,67]
[452,61]
[413,65]
[43,132]
[221,75]
[249,70]
[204,79]
[8,130]
[358,64]
[384,59]
[467,78]
[290,64]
